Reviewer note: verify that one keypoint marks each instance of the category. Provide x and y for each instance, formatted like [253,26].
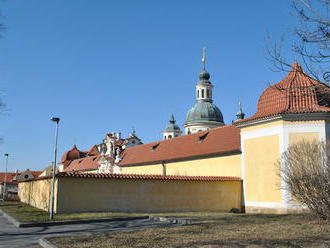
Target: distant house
[12,179]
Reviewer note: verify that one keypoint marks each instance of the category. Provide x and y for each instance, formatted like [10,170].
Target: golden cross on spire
[204,58]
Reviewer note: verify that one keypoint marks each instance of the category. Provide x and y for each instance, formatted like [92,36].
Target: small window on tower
[202,93]
[170,136]
[208,93]
[197,93]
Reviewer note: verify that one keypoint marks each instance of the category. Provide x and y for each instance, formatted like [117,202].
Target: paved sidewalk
[12,237]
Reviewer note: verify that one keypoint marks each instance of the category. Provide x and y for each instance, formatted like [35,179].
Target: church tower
[172,130]
[204,114]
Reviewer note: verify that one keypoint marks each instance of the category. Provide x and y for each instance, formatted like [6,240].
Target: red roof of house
[93,151]
[9,177]
[36,173]
[297,93]
[12,176]
[218,140]
[87,163]
[72,154]
[156,177]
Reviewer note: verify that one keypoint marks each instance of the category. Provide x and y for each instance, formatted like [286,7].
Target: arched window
[207,93]
[170,137]
[202,93]
[197,93]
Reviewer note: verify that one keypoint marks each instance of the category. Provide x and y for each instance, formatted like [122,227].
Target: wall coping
[137,176]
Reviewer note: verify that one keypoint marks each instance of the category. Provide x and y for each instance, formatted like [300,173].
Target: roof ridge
[183,136]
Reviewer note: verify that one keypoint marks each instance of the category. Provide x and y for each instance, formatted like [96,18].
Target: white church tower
[204,115]
[172,130]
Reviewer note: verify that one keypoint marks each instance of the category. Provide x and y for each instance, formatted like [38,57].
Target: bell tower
[204,115]
[172,130]
[204,86]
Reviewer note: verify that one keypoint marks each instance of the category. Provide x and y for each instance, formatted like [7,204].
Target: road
[12,237]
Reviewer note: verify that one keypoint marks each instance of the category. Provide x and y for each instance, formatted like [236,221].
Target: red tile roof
[12,176]
[218,140]
[93,151]
[36,173]
[72,154]
[120,142]
[87,163]
[9,177]
[156,177]
[297,93]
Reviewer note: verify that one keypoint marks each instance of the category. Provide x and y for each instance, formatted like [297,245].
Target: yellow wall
[305,122]
[262,178]
[129,195]
[213,166]
[155,169]
[294,138]
[260,126]
[36,193]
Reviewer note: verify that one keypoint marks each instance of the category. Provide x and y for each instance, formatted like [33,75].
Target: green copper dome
[204,112]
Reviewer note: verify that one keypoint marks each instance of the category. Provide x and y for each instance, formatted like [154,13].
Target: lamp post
[5,181]
[51,210]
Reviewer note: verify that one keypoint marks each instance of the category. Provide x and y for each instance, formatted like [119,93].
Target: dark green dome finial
[172,120]
[172,126]
[204,75]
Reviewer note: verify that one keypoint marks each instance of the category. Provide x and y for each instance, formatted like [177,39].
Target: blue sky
[105,66]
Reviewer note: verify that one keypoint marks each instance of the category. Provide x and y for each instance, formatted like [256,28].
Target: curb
[171,220]
[10,219]
[69,222]
[18,224]
[86,221]
[46,244]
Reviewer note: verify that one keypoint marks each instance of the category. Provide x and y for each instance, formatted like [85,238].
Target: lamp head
[55,119]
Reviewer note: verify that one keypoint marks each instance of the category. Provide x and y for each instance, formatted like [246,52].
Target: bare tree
[310,40]
[305,169]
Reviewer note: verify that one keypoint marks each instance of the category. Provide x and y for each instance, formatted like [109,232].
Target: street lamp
[51,210]
[5,181]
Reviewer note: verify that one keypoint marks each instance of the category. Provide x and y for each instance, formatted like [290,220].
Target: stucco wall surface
[295,138]
[262,173]
[146,195]
[212,166]
[155,169]
[36,193]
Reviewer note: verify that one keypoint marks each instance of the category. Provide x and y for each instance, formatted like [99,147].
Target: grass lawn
[216,230]
[25,213]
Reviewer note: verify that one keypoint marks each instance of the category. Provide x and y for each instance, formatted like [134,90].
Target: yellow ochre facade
[135,195]
[209,166]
